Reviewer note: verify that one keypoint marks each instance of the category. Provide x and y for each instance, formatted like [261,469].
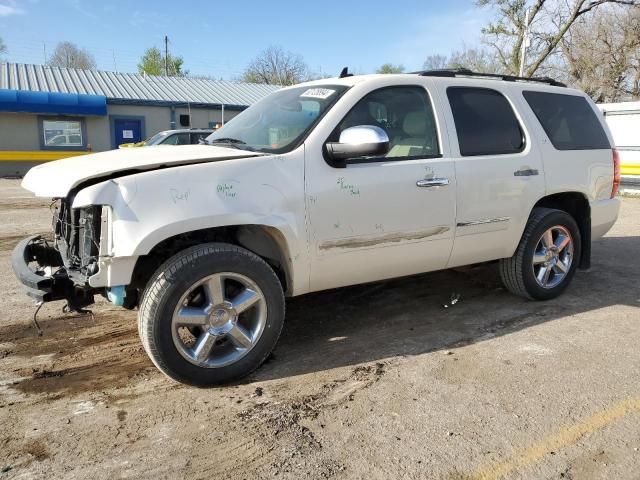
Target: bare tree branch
[550,21]
[602,55]
[69,55]
[274,66]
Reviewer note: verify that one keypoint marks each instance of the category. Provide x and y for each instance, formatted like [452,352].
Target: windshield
[277,123]
[157,138]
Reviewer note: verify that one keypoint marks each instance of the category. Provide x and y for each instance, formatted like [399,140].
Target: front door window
[405,114]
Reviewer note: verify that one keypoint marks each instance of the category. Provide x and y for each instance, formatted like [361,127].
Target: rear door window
[568,120]
[485,122]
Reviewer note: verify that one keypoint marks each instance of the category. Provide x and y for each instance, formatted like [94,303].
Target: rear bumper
[604,214]
[39,285]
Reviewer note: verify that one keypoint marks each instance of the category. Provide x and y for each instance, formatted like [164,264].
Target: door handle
[433,182]
[525,172]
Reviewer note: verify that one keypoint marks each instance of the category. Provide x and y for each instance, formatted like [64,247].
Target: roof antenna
[345,73]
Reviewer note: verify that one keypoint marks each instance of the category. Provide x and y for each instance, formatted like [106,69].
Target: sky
[219,38]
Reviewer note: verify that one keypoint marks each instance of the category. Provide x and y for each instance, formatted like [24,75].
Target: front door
[387,216]
[127,131]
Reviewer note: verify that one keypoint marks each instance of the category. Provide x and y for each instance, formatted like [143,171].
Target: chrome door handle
[433,182]
[525,172]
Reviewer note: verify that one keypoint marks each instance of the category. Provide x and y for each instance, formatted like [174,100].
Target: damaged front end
[60,270]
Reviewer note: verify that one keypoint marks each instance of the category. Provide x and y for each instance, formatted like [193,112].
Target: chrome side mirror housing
[359,141]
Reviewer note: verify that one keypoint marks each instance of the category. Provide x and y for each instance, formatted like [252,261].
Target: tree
[69,55]
[601,55]
[275,66]
[435,62]
[390,68]
[3,47]
[474,59]
[153,63]
[549,20]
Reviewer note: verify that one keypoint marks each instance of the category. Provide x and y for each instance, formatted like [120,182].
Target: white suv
[321,185]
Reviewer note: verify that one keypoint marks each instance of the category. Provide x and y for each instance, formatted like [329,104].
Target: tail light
[616,173]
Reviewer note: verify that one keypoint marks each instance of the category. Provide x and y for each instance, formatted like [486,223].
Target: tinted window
[485,122]
[406,115]
[568,120]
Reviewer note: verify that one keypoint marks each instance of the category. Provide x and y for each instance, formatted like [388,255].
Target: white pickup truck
[329,183]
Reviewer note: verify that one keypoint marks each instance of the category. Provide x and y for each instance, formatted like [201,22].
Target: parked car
[321,185]
[190,136]
[65,139]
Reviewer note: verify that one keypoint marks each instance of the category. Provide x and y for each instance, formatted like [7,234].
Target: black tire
[170,282]
[517,272]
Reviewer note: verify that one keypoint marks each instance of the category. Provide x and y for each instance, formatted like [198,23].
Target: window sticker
[321,93]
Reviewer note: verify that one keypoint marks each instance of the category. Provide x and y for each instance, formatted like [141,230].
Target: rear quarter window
[568,120]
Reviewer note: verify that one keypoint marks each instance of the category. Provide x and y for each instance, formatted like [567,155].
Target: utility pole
[525,42]
[166,56]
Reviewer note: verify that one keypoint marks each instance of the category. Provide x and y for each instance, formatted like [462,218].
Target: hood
[56,179]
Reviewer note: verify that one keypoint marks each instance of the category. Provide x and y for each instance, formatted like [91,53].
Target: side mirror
[360,141]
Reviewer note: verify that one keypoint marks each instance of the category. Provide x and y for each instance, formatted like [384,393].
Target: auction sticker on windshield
[321,93]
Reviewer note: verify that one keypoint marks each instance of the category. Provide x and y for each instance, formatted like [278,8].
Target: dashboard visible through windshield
[279,122]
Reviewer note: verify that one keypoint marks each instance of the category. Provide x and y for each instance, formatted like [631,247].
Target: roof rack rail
[464,72]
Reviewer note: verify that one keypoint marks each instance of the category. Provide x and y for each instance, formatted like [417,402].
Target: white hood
[56,179]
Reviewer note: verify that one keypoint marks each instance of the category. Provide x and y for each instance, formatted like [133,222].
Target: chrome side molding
[482,222]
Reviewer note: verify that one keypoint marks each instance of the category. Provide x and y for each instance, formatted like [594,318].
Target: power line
[35,51]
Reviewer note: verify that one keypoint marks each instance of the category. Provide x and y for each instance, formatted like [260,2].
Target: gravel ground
[377,381]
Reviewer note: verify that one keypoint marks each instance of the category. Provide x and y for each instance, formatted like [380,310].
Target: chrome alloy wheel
[553,256]
[219,320]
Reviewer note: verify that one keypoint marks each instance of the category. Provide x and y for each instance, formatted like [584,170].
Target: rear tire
[211,314]
[546,258]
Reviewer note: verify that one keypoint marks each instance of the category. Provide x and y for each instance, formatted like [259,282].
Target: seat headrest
[415,124]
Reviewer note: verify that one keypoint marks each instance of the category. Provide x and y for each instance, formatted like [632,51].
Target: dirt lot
[375,381]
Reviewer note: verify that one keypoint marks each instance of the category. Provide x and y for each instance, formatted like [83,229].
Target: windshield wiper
[231,142]
[228,140]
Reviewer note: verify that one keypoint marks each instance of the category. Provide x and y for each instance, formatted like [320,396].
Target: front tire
[211,314]
[546,258]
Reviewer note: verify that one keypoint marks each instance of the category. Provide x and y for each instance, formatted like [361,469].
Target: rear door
[499,172]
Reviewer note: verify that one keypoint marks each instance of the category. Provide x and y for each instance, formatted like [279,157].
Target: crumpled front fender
[149,207]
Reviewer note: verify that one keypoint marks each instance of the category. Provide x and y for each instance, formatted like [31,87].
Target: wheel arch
[267,242]
[577,205]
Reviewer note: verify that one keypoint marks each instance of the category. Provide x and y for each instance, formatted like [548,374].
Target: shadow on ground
[337,328]
[407,316]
